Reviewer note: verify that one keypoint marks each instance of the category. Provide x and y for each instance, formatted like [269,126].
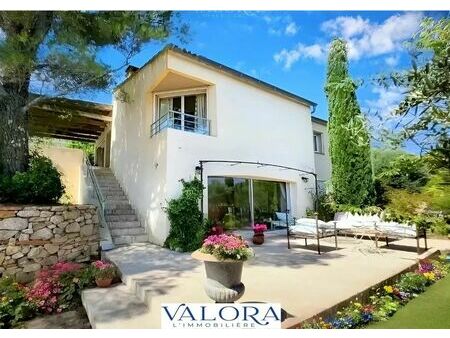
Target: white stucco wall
[248,124]
[322,160]
[138,161]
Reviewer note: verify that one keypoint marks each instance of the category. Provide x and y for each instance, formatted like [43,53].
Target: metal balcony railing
[186,122]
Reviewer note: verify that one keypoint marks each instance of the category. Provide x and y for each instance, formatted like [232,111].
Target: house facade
[181,108]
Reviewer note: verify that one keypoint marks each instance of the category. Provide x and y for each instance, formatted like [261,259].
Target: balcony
[180,121]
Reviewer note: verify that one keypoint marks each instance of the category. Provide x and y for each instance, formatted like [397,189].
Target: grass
[430,310]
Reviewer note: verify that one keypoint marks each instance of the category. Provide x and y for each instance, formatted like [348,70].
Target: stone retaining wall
[32,237]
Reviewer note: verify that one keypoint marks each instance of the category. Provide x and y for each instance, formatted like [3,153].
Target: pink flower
[102,265]
[259,228]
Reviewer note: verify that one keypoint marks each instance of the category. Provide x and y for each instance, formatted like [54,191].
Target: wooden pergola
[68,119]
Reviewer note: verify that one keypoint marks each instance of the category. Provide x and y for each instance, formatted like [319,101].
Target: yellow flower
[430,276]
[5,299]
[358,305]
[388,289]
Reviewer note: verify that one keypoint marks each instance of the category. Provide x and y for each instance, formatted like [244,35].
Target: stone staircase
[121,218]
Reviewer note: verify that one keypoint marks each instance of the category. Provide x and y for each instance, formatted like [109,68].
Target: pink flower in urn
[259,228]
[227,246]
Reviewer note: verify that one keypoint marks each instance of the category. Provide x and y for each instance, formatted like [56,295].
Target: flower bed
[386,300]
[56,289]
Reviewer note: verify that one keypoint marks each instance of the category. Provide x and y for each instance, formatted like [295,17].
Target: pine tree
[61,51]
[352,178]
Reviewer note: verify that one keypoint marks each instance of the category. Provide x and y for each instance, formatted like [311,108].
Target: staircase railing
[107,243]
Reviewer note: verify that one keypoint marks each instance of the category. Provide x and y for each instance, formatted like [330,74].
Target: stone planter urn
[223,278]
[258,238]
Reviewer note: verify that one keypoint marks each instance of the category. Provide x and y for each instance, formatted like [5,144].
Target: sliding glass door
[268,198]
[238,203]
[229,202]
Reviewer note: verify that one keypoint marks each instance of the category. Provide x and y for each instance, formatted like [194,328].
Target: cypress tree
[351,178]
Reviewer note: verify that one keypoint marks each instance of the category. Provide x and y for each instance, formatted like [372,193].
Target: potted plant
[224,256]
[258,233]
[104,273]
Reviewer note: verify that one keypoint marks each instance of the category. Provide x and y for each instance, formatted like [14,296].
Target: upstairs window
[317,141]
[184,112]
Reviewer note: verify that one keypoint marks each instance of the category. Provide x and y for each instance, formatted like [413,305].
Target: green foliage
[40,184]
[72,284]
[351,179]
[423,115]
[86,147]
[187,227]
[14,306]
[383,157]
[404,172]
[412,283]
[325,206]
[385,306]
[60,51]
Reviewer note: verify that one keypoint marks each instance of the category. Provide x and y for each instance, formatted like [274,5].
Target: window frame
[320,145]
[178,93]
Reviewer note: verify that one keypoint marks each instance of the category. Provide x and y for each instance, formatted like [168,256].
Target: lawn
[430,310]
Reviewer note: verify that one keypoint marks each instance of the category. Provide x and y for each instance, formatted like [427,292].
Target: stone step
[121,218]
[111,189]
[113,204]
[119,212]
[123,224]
[130,239]
[116,307]
[115,197]
[110,186]
[117,233]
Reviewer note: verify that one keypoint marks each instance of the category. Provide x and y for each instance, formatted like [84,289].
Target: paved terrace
[303,282]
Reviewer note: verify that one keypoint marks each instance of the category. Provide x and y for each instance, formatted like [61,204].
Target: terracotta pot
[223,278]
[258,238]
[103,282]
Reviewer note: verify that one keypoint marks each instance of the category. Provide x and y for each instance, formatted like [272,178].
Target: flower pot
[258,238]
[103,282]
[223,278]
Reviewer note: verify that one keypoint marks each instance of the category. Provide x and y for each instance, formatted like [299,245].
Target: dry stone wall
[33,237]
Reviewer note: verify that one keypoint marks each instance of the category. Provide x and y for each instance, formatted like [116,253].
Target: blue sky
[288,49]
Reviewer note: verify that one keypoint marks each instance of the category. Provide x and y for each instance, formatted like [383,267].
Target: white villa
[180,108]
[175,111]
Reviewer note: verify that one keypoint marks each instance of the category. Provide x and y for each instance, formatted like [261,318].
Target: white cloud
[289,57]
[392,60]
[364,38]
[371,39]
[387,101]
[280,24]
[273,31]
[345,26]
[291,29]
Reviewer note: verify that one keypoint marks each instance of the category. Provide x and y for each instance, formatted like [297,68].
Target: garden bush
[187,227]
[14,306]
[40,184]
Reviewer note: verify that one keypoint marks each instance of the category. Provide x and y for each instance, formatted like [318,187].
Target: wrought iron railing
[99,201]
[186,122]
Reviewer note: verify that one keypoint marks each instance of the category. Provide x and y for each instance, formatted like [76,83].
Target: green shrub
[72,283]
[14,306]
[325,206]
[41,183]
[412,282]
[187,227]
[405,172]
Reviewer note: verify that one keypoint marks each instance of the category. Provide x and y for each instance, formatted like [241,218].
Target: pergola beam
[69,119]
[64,137]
